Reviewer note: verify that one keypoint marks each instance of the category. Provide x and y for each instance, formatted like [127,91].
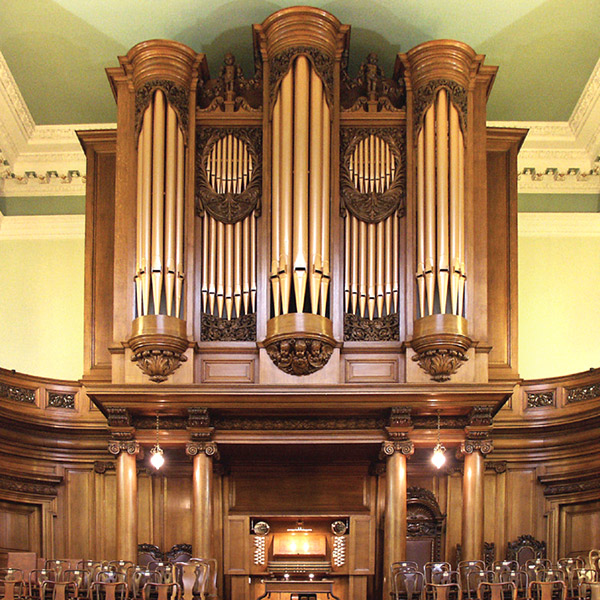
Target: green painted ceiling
[57,49]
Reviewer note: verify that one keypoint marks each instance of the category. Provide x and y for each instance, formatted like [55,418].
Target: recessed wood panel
[19,527]
[228,370]
[362,545]
[371,370]
[177,506]
[581,528]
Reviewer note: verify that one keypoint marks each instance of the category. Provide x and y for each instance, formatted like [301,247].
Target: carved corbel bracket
[158,345]
[402,445]
[209,448]
[477,431]
[117,446]
[198,423]
[399,423]
[440,343]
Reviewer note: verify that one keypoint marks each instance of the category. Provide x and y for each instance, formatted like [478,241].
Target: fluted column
[476,445]
[202,454]
[394,542]
[126,452]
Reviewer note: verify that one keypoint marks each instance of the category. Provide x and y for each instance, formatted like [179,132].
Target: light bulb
[438,458]
[157,459]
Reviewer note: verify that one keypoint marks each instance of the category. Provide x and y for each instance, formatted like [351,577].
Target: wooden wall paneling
[106,516]
[80,519]
[145,509]
[100,148]
[177,506]
[158,511]
[502,204]
[218,528]
[524,504]
[20,528]
[453,510]
[579,528]
[375,369]
[361,555]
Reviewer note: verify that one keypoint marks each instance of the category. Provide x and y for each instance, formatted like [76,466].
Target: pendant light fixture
[157,457]
[438,458]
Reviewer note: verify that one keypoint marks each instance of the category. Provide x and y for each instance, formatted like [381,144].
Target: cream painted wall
[559,293]
[41,300]
[41,306]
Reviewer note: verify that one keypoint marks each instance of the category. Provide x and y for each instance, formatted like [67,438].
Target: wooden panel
[361,556]
[177,503]
[237,558]
[145,510]
[100,147]
[502,149]
[371,370]
[106,516]
[19,527]
[314,488]
[580,524]
[79,514]
[524,504]
[453,510]
[217,370]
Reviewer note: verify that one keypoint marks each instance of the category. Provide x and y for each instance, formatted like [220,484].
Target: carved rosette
[129,446]
[440,343]
[208,448]
[403,446]
[158,344]
[228,208]
[299,343]
[377,206]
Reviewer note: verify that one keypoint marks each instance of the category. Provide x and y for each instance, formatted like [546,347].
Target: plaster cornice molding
[559,224]
[585,118]
[42,227]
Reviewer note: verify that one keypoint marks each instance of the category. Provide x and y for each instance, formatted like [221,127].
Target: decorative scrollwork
[425,96]
[378,329]
[584,392]
[485,446]
[540,399]
[440,363]
[300,356]
[217,329]
[208,448]
[373,207]
[403,446]
[513,548]
[16,393]
[158,363]
[58,400]
[280,65]
[176,96]
[228,208]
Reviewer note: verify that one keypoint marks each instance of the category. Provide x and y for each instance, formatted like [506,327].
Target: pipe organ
[308,246]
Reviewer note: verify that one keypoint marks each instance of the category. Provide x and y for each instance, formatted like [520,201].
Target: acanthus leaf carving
[158,363]
[218,329]
[440,363]
[378,329]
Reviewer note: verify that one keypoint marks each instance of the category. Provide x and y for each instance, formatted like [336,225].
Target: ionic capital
[129,446]
[209,448]
[390,447]
[484,445]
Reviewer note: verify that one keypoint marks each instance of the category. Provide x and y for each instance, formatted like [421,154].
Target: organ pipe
[440,210]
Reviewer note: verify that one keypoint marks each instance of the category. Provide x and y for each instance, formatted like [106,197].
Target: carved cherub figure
[231,72]
[370,75]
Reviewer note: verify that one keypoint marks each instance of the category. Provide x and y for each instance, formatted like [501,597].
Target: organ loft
[299,281]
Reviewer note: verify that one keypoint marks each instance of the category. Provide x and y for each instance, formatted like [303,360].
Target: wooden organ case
[298,272]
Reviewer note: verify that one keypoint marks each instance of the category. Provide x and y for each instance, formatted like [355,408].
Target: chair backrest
[37,577]
[79,576]
[109,590]
[547,590]
[500,566]
[58,565]
[404,565]
[138,577]
[192,579]
[408,584]
[472,580]
[496,591]
[110,575]
[161,591]
[465,567]
[12,584]
[433,571]
[519,578]
[586,575]
[443,591]
[211,577]
[61,590]
[589,589]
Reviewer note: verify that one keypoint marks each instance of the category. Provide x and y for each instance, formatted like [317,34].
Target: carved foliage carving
[480,416]
[228,207]
[24,486]
[584,392]
[158,363]
[540,399]
[301,423]
[425,96]
[572,487]
[176,96]
[16,393]
[299,356]
[375,206]
[371,87]
[280,65]
[378,329]
[59,400]
[216,329]
[440,363]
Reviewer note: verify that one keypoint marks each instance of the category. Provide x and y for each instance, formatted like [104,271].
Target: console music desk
[324,586]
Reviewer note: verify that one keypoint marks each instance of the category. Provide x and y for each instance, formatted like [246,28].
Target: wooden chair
[505,590]
[464,568]
[81,577]
[138,577]
[519,579]
[502,566]
[211,577]
[434,571]
[473,578]
[60,590]
[109,590]
[547,590]
[161,591]
[443,591]
[12,584]
[407,584]
[589,590]
[192,579]
[36,579]
[594,562]
[58,565]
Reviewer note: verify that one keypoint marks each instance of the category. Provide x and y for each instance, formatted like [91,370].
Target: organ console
[300,259]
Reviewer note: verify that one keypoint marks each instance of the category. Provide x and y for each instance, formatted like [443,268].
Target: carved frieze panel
[299,423]
[541,399]
[26,486]
[17,393]
[583,392]
[372,207]
[425,96]
[217,329]
[228,206]
[61,400]
[378,329]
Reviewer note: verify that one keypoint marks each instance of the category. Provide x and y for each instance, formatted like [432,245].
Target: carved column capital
[403,446]
[209,448]
[117,446]
[483,445]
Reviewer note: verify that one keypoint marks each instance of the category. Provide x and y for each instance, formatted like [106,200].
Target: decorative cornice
[298,424]
[25,486]
[42,227]
[559,224]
